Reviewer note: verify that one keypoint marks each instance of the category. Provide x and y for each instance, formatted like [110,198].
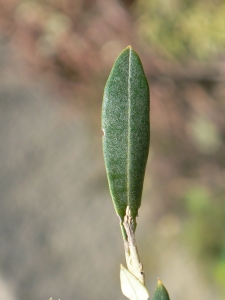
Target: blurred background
[59,233]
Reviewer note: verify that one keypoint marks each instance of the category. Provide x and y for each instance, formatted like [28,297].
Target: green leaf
[125,123]
[131,287]
[161,292]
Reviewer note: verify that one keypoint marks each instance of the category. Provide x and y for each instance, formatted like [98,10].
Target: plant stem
[131,252]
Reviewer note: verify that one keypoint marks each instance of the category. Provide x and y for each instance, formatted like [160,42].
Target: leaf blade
[131,287]
[125,122]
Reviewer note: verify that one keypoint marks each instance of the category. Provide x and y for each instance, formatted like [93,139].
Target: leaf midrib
[128,124]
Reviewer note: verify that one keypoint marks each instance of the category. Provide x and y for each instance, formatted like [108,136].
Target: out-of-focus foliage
[185,28]
[205,134]
[205,229]
[72,44]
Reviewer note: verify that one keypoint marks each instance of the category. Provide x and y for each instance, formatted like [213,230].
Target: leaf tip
[159,281]
[129,48]
[161,292]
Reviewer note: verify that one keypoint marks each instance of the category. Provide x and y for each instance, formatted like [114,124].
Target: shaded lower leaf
[161,292]
[131,287]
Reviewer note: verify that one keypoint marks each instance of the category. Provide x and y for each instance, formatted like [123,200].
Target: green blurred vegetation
[183,29]
[205,229]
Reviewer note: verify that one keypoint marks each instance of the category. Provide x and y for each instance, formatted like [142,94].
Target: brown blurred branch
[194,72]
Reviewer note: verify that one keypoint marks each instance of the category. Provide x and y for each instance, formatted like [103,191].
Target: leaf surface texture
[125,123]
